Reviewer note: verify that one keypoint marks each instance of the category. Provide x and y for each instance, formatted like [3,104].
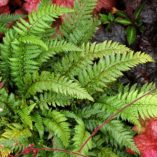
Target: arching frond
[96,77]
[56,122]
[56,47]
[52,99]
[71,64]
[106,152]
[40,21]
[81,134]
[144,108]
[77,25]
[56,83]
[38,124]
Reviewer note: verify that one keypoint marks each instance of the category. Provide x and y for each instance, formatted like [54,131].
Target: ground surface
[146,41]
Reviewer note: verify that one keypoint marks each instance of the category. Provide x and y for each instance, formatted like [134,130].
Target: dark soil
[146,41]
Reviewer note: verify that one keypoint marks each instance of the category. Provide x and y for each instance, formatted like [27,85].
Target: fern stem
[111,117]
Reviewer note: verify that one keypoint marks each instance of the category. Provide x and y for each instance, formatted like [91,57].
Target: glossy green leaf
[104,18]
[138,11]
[131,34]
[110,17]
[123,21]
[122,14]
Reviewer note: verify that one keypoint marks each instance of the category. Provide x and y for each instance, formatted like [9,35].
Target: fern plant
[59,87]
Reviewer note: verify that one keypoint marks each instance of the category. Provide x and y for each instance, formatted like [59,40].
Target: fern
[3,28]
[80,136]
[56,122]
[33,40]
[77,25]
[56,47]
[116,134]
[106,152]
[39,125]
[71,64]
[6,18]
[25,117]
[59,87]
[104,72]
[58,144]
[52,99]
[47,81]
[6,54]
[15,133]
[144,108]
[39,21]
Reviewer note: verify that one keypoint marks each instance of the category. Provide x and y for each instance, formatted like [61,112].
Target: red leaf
[146,142]
[31,5]
[64,3]
[149,153]
[3,2]
[4,9]
[105,4]
[151,129]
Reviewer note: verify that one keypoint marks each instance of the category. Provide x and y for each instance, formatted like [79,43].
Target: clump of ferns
[54,94]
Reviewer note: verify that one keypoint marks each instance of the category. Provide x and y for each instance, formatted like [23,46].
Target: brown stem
[111,118]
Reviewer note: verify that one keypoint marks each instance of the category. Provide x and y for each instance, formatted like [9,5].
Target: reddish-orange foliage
[3,2]
[105,4]
[65,3]
[30,5]
[146,141]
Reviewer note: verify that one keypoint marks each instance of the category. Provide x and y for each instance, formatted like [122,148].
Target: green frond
[121,135]
[95,78]
[98,141]
[13,134]
[3,28]
[21,63]
[72,64]
[91,111]
[81,18]
[81,134]
[40,21]
[103,49]
[34,40]
[6,18]
[106,152]
[71,115]
[25,117]
[58,84]
[84,32]
[115,132]
[8,103]
[58,144]
[6,53]
[144,108]
[52,99]
[38,124]
[56,122]
[55,73]
[56,47]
